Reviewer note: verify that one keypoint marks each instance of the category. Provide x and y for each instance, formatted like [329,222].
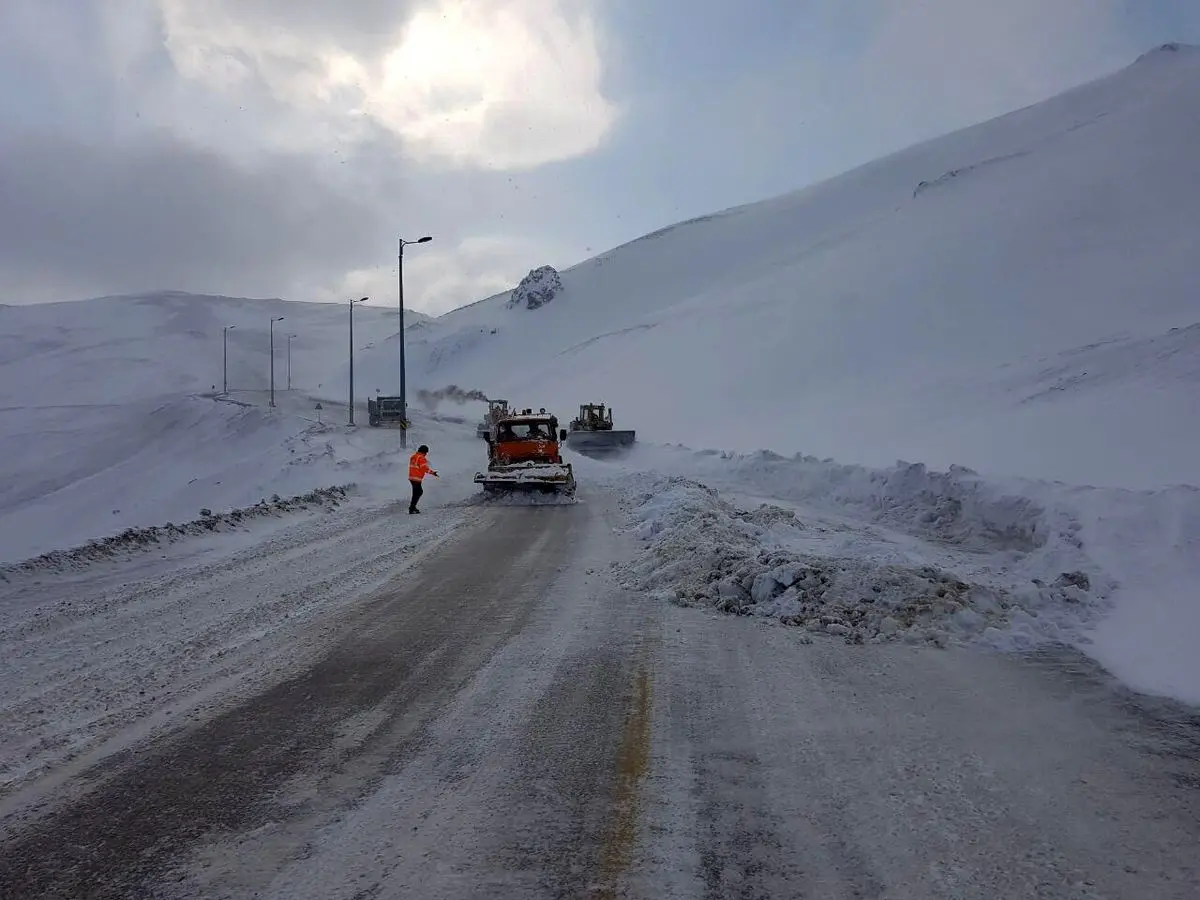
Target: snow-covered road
[497,717]
[96,659]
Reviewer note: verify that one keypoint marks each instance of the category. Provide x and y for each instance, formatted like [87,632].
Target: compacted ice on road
[470,705]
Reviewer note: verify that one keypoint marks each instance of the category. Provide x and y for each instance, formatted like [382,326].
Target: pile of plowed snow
[133,539]
[799,569]
[946,556]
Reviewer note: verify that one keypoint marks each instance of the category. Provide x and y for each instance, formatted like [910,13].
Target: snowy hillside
[1020,297]
[118,349]
[108,420]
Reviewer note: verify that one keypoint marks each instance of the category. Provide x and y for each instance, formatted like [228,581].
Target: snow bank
[1112,572]
[770,562]
[1150,542]
[957,506]
[134,539]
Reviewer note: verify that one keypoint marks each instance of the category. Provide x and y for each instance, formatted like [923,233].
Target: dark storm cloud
[164,213]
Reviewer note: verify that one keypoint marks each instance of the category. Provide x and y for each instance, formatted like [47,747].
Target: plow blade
[600,442]
[529,477]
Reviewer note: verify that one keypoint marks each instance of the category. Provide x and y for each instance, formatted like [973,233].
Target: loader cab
[593,417]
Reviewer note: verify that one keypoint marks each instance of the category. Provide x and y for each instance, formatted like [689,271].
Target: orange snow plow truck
[524,455]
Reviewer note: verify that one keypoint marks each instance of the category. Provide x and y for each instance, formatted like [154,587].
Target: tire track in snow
[401,656]
[84,675]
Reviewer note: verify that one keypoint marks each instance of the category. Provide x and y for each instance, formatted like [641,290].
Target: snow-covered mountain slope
[108,418]
[83,473]
[1004,298]
[118,349]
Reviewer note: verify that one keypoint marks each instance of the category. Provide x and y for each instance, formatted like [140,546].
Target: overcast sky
[279,147]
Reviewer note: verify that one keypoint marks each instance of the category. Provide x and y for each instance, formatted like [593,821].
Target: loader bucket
[600,443]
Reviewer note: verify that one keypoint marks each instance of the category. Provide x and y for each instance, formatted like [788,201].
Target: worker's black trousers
[417,492]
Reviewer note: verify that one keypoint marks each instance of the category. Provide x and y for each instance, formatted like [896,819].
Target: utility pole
[273,321]
[352,302]
[400,337]
[225,359]
[289,361]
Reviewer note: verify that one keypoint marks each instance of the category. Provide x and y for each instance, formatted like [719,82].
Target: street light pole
[352,302]
[289,361]
[225,359]
[273,321]
[400,285]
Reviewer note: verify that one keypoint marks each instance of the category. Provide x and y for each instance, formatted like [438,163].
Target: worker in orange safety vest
[418,467]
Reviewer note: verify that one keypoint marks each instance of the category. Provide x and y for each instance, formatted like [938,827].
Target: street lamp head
[424,240]
[280,319]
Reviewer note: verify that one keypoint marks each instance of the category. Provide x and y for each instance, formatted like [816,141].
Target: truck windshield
[526,431]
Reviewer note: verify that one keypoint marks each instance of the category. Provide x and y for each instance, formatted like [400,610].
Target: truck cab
[525,437]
